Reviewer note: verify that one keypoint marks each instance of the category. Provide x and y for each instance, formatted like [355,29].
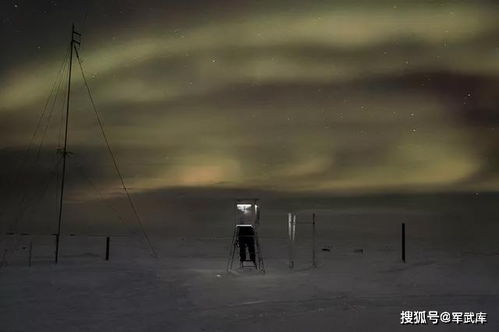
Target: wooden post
[314,258]
[403,242]
[107,248]
[30,252]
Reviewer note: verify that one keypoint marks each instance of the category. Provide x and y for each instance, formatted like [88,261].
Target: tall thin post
[64,152]
[232,251]
[290,241]
[291,234]
[107,247]
[292,252]
[403,242]
[314,258]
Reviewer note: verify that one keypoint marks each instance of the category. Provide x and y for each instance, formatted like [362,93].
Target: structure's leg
[234,246]
[251,249]
[232,251]
[260,266]
[243,243]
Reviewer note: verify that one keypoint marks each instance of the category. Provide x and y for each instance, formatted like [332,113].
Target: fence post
[56,254]
[403,242]
[314,258]
[107,248]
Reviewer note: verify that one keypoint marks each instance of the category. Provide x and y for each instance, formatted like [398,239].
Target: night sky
[295,96]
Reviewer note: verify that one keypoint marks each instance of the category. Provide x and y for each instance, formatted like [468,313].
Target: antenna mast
[73,43]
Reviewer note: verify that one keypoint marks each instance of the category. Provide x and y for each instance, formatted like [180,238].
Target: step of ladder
[252,265]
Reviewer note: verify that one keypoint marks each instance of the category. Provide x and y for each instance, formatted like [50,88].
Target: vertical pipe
[107,248]
[314,258]
[290,240]
[403,242]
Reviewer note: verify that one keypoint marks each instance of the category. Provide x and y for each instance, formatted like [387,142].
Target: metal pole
[59,226]
[314,259]
[107,248]
[293,237]
[403,242]
[232,251]
[290,240]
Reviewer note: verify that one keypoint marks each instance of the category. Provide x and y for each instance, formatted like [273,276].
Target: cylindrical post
[314,259]
[107,248]
[403,242]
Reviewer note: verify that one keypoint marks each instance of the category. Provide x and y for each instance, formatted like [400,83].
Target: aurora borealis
[348,96]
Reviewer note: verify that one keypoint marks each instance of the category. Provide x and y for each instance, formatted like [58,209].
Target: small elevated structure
[245,236]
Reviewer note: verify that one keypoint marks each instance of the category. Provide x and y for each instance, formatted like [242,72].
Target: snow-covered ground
[452,265]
